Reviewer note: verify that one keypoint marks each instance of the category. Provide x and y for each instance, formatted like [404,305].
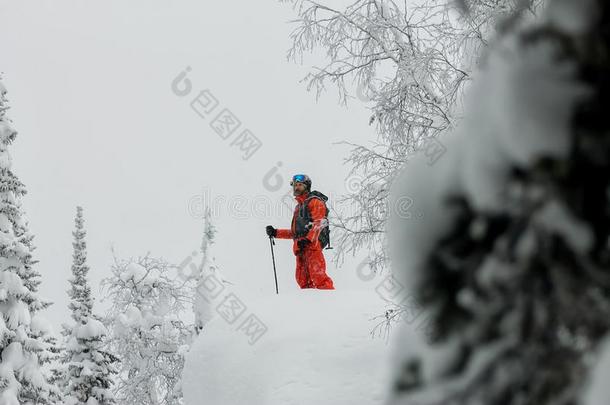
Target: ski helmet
[301,178]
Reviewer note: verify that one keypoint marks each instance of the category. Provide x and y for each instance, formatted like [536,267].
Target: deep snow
[598,391]
[318,349]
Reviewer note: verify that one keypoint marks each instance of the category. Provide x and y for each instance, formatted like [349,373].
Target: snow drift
[317,349]
[598,391]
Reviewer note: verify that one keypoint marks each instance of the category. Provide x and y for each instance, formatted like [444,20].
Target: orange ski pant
[311,270]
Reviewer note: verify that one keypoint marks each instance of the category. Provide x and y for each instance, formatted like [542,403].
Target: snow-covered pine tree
[511,262]
[148,305]
[207,276]
[89,367]
[25,344]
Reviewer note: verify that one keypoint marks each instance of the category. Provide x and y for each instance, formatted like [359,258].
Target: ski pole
[272,242]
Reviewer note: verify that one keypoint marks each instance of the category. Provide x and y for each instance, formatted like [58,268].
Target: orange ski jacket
[317,210]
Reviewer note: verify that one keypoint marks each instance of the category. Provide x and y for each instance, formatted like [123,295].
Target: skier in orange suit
[307,222]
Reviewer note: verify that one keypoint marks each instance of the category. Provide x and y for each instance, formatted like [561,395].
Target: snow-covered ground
[317,349]
[598,391]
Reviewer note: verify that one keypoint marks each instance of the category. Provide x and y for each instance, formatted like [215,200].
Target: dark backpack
[303,220]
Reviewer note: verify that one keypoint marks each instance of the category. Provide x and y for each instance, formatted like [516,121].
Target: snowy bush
[148,333]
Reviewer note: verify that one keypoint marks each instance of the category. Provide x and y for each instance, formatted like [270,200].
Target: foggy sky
[99,126]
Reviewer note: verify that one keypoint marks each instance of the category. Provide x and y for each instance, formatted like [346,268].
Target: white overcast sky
[89,87]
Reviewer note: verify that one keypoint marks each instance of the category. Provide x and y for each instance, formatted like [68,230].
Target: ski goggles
[299,178]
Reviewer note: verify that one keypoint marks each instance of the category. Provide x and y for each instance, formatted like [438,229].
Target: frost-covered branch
[410,62]
[148,306]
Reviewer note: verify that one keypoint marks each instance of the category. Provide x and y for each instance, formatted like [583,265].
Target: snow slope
[598,391]
[318,349]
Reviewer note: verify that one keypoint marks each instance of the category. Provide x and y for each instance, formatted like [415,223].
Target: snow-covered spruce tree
[148,303]
[25,343]
[88,366]
[511,262]
[207,274]
[410,63]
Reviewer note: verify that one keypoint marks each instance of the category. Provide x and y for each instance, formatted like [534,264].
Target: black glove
[271,231]
[302,244]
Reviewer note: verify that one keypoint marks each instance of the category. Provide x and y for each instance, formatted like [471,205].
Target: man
[311,266]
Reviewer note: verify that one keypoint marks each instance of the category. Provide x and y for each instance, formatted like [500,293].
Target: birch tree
[410,63]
